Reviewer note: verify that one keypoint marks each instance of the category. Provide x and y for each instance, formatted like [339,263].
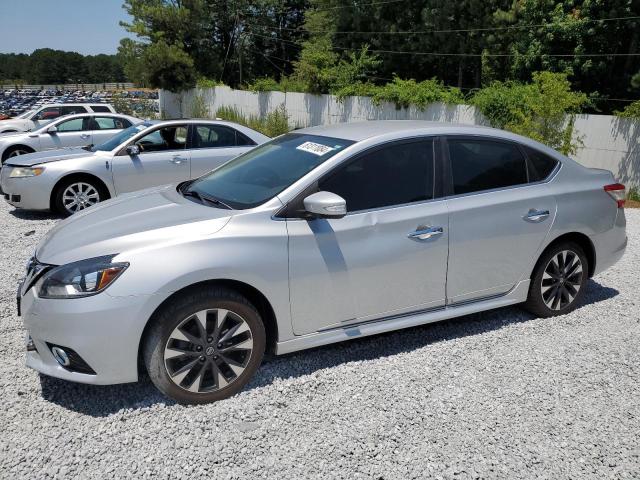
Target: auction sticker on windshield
[315,148]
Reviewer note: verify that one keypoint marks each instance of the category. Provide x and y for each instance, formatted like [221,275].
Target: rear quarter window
[540,165]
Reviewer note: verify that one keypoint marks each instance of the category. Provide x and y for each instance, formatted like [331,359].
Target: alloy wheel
[78,196]
[208,350]
[15,153]
[561,280]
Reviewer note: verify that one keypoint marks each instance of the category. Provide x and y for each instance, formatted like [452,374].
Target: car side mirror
[325,205]
[133,150]
[53,129]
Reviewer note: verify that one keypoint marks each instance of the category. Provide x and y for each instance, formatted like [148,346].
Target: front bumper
[105,332]
[31,193]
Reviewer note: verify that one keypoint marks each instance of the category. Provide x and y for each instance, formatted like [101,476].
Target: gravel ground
[494,395]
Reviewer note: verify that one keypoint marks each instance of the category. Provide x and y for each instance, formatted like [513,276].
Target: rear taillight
[617,192]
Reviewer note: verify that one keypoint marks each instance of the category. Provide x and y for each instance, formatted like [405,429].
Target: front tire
[558,281]
[77,194]
[204,345]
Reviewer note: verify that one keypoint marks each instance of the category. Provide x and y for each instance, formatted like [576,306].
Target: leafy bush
[204,82]
[543,110]
[273,124]
[405,93]
[630,111]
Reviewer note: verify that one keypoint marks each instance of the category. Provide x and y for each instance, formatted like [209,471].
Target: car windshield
[117,139]
[262,173]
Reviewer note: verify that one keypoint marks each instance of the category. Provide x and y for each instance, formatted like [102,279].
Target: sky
[85,26]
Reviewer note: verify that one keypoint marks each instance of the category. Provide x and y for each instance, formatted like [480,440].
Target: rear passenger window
[478,165]
[392,175]
[110,123]
[540,165]
[213,136]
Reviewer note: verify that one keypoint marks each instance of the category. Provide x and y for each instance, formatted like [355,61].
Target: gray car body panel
[326,280]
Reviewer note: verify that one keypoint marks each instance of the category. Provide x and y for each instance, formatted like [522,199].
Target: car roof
[76,104]
[358,131]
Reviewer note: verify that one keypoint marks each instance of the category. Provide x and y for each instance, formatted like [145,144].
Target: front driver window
[164,139]
[392,175]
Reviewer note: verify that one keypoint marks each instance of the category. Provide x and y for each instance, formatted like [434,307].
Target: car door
[498,220]
[387,256]
[69,133]
[103,127]
[163,159]
[212,145]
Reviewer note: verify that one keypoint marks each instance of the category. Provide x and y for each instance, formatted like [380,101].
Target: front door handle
[84,135]
[424,232]
[534,215]
[177,160]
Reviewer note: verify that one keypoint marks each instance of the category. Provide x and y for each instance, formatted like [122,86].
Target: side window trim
[551,174]
[449,192]
[294,210]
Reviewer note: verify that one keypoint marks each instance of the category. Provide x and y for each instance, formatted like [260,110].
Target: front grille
[35,269]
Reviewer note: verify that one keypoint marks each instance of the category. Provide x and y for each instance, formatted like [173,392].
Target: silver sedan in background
[144,155]
[319,236]
[77,130]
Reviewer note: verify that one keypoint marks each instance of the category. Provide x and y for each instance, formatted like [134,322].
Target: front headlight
[80,279]
[20,172]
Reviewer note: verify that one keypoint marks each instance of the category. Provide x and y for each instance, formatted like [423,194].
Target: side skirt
[516,295]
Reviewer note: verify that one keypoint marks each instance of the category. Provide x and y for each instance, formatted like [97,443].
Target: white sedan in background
[69,131]
[144,155]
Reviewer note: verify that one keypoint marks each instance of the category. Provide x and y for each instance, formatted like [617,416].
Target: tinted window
[168,138]
[242,140]
[484,164]
[213,136]
[393,175]
[109,123]
[258,175]
[74,125]
[100,108]
[540,165]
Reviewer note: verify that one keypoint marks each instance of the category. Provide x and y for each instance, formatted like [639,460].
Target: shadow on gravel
[34,215]
[101,401]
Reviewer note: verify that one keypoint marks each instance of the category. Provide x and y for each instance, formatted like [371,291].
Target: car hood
[48,156]
[19,123]
[139,220]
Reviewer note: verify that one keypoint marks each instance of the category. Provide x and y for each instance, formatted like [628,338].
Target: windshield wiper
[203,198]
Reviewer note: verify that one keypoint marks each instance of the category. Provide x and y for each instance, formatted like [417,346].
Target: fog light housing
[61,356]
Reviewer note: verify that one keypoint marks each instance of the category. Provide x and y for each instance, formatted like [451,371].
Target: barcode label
[315,148]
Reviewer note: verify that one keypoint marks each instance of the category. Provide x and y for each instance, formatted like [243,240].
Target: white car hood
[47,156]
[138,220]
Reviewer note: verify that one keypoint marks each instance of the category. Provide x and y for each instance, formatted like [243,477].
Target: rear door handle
[534,215]
[424,232]
[177,160]
[84,135]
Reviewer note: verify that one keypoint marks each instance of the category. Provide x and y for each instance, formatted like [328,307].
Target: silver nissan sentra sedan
[144,155]
[318,236]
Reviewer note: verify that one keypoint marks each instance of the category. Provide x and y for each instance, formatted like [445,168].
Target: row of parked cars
[14,102]
[248,245]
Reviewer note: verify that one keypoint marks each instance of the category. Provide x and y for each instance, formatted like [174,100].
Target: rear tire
[204,345]
[558,280]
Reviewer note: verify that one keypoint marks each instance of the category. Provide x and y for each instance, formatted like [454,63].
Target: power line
[356,6]
[453,30]
[448,54]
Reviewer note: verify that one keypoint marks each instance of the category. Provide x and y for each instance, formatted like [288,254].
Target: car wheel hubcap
[208,350]
[15,153]
[562,280]
[79,196]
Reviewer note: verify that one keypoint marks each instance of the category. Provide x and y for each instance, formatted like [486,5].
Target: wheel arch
[5,154]
[76,176]
[255,296]
[581,239]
